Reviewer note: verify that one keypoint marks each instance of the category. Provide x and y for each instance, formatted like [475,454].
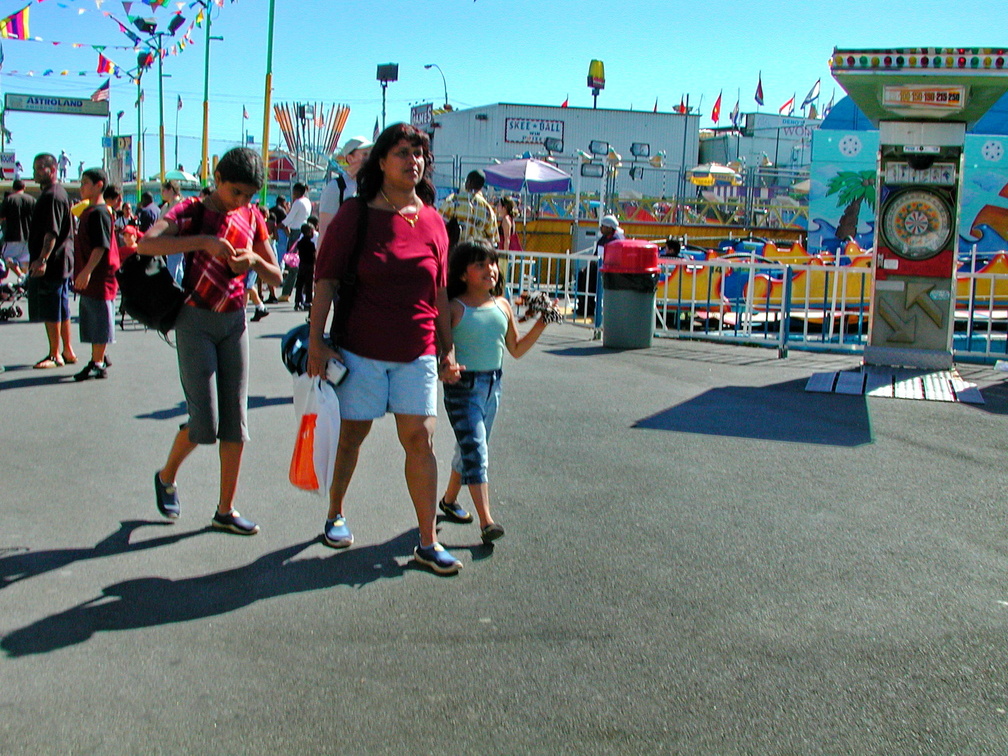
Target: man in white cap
[587,278]
[609,230]
[354,152]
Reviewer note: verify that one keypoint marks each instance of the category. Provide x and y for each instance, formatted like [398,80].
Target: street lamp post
[386,72]
[154,42]
[148,26]
[429,66]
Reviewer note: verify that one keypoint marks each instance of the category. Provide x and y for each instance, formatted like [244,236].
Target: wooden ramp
[897,383]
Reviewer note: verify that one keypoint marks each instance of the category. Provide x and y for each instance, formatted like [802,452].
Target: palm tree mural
[852,188]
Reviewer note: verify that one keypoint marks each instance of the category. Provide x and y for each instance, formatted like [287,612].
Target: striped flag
[813,94]
[245,114]
[102,93]
[104,64]
[787,108]
[374,138]
[759,89]
[734,114]
[15,26]
[179,107]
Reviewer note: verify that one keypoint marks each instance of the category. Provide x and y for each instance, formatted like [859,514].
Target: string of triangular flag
[16,25]
[74,45]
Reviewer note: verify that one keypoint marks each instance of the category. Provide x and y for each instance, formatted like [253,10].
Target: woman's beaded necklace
[412,221]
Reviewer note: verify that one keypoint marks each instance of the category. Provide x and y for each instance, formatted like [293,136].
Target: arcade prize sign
[924,100]
[532,130]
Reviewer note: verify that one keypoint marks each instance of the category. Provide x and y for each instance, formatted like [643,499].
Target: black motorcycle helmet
[294,350]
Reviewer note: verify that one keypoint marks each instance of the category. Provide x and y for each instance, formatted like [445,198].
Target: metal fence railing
[743,299]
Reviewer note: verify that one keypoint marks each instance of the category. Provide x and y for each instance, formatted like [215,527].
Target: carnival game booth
[922,100]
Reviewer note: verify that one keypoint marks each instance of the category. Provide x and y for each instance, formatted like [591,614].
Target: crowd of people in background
[427,278]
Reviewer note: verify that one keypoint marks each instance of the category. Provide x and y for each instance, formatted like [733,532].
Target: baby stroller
[10,295]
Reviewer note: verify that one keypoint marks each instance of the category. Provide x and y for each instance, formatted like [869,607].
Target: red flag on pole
[716,112]
[104,64]
[565,102]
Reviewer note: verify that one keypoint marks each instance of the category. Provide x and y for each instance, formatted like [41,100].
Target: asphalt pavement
[700,558]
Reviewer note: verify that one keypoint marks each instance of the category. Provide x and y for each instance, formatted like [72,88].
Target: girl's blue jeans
[472,406]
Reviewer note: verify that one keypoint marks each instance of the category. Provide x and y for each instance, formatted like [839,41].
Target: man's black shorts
[48,301]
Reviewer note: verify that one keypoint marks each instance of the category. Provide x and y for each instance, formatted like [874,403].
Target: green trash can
[630,278]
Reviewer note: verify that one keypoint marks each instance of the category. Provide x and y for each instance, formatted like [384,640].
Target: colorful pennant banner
[15,26]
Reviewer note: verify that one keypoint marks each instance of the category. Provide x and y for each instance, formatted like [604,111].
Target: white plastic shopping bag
[317,410]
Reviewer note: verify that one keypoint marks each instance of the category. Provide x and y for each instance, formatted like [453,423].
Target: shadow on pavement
[666,349]
[26,564]
[150,601]
[784,412]
[36,378]
[179,410]
[579,351]
[995,398]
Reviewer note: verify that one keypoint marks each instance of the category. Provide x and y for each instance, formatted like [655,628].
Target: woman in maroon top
[398,330]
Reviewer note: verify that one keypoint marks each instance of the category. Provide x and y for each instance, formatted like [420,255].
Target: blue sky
[521,51]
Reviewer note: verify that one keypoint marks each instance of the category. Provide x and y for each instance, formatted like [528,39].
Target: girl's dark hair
[241,165]
[370,177]
[461,256]
[508,204]
[173,185]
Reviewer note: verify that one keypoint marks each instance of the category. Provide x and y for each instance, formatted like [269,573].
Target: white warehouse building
[464,140]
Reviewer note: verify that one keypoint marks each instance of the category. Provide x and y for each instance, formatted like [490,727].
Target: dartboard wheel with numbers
[917,224]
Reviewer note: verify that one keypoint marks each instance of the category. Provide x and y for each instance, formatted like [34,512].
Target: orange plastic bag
[316,409]
[302,466]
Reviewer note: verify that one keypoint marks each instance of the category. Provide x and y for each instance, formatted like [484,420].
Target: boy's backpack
[150,294]
[341,183]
